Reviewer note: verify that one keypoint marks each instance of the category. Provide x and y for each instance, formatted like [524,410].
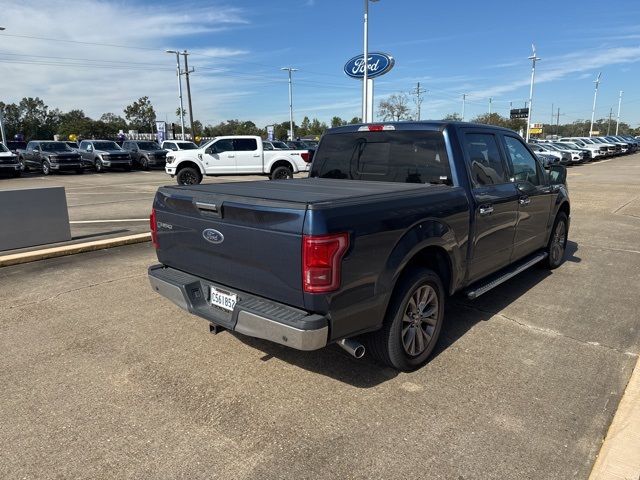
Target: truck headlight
[53,159]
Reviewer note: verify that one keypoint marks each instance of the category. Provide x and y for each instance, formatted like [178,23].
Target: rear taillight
[153,224]
[306,156]
[322,260]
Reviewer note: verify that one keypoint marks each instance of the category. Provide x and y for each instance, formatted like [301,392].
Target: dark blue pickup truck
[393,219]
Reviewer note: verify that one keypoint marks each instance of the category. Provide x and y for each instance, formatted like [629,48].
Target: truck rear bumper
[253,316]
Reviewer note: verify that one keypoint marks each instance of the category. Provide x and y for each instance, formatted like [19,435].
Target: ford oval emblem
[213,236]
[377,63]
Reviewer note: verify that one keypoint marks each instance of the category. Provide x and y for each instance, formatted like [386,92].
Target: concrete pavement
[104,379]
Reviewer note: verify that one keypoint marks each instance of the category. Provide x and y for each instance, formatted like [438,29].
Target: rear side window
[387,156]
[484,160]
[245,144]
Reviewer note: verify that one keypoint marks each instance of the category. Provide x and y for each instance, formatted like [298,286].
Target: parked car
[544,148]
[394,218]
[145,153]
[176,145]
[9,162]
[104,155]
[606,149]
[578,154]
[627,147]
[300,145]
[233,155]
[614,149]
[596,151]
[50,157]
[15,145]
[275,145]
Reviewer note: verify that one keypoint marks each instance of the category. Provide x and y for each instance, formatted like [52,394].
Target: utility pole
[490,100]
[609,123]
[593,110]
[464,99]
[558,122]
[186,75]
[418,101]
[290,69]
[179,73]
[619,105]
[552,111]
[533,59]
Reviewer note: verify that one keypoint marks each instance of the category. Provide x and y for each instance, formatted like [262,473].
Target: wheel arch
[189,163]
[282,162]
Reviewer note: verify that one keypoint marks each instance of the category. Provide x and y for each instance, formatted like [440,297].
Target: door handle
[524,200]
[486,210]
[231,156]
[256,155]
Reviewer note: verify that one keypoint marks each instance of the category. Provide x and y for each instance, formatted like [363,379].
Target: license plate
[224,300]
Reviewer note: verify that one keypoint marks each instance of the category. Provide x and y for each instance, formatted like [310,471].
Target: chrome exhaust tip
[353,347]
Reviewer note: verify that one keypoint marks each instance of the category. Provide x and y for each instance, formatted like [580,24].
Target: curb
[26,257]
[619,457]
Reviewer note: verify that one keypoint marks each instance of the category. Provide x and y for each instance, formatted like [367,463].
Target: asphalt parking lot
[109,204]
[102,378]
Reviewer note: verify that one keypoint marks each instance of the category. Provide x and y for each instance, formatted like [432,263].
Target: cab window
[245,145]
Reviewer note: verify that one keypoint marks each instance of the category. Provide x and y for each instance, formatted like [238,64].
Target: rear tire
[188,176]
[413,322]
[557,245]
[281,173]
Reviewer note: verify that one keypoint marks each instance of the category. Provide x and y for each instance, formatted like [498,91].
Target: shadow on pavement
[461,315]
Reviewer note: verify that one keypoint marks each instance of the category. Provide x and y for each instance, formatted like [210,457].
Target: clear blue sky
[477,48]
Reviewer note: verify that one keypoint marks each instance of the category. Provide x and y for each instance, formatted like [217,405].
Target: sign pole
[4,138]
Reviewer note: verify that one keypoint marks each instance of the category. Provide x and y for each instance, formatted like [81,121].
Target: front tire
[144,163]
[281,173]
[16,173]
[99,166]
[413,322]
[188,176]
[46,167]
[557,245]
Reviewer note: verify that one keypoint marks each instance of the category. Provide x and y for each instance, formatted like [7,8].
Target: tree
[141,114]
[337,122]
[355,120]
[396,108]
[114,121]
[453,117]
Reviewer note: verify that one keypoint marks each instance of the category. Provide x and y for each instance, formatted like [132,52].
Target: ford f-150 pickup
[235,155]
[393,219]
[49,157]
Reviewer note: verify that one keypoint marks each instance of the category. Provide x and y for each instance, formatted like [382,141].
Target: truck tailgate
[244,243]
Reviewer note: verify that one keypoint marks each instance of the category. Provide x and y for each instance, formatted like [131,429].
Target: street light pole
[533,59]
[593,110]
[4,139]
[179,73]
[619,105]
[186,75]
[366,115]
[289,69]
[464,99]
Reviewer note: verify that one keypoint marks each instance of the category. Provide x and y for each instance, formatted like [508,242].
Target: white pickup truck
[235,155]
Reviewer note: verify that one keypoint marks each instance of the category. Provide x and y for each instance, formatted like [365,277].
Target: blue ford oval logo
[377,63]
[213,236]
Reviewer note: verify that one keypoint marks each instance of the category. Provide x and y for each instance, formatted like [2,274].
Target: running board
[492,282]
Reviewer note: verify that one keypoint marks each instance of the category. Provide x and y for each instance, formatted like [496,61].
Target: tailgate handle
[209,207]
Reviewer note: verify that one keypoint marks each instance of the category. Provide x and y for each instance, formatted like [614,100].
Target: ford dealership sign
[378,63]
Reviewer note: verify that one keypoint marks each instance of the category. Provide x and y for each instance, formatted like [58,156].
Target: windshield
[106,146]
[187,145]
[3,148]
[550,147]
[148,146]
[55,147]
[388,156]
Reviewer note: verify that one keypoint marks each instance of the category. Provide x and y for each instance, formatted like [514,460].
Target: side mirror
[557,175]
